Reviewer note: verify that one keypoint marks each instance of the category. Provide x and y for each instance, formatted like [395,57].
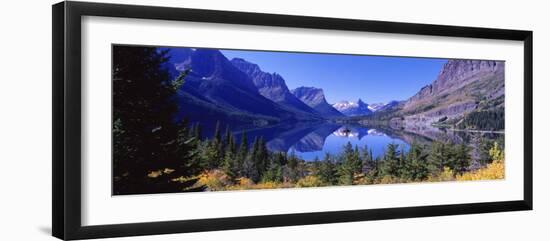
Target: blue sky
[348,77]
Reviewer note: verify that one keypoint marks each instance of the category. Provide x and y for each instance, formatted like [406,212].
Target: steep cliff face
[461,87]
[213,67]
[315,98]
[273,87]
[217,90]
[456,74]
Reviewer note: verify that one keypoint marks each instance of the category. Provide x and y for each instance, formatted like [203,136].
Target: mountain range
[238,91]
[349,108]
[217,90]
[383,106]
[360,108]
[462,87]
[273,87]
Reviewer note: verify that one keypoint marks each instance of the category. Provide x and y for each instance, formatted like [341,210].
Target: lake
[363,137]
[313,139]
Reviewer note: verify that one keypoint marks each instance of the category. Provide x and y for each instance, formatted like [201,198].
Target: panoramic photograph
[191,119]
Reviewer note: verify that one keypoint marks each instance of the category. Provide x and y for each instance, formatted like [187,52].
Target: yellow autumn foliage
[214,180]
[217,180]
[389,180]
[158,173]
[243,181]
[363,180]
[182,179]
[494,170]
[269,185]
[496,153]
[446,175]
[309,181]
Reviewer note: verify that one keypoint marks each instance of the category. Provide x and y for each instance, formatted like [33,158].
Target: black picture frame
[66,47]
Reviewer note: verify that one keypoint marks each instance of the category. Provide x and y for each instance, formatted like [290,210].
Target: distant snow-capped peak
[354,108]
[377,106]
[351,108]
[342,105]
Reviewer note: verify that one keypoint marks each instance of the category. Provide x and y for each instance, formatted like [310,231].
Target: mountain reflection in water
[311,140]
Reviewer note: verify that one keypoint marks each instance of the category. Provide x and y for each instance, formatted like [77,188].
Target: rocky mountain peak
[272,86]
[210,66]
[309,94]
[457,73]
[315,98]
[383,106]
[461,87]
[261,79]
[245,66]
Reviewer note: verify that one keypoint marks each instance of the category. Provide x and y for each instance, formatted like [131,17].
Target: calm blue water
[372,139]
[310,140]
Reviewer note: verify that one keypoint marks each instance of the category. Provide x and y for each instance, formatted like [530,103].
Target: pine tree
[327,170]
[197,132]
[150,148]
[187,151]
[242,155]
[349,166]
[274,172]
[211,154]
[217,133]
[483,149]
[438,157]
[250,168]
[462,158]
[356,160]
[367,160]
[281,158]
[229,162]
[292,172]
[217,148]
[402,158]
[390,166]
[416,165]
[262,157]
[227,138]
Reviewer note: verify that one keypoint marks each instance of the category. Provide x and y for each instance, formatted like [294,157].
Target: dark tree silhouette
[150,149]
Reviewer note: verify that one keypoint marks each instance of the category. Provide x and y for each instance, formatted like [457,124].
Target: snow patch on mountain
[351,108]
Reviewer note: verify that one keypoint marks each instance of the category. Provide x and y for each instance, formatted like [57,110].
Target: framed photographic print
[170,120]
